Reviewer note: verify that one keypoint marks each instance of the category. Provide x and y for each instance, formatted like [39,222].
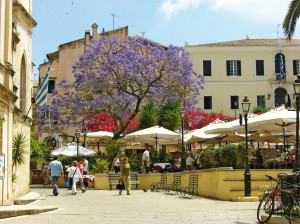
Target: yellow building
[262,69]
[15,93]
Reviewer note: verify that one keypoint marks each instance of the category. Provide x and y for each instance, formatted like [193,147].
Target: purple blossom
[121,76]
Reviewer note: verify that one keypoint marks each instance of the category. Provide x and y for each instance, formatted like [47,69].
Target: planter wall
[220,183]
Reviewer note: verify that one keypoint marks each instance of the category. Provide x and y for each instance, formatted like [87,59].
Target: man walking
[145,161]
[56,169]
[85,171]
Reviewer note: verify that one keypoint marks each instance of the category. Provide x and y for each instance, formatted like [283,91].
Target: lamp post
[77,135]
[182,114]
[235,107]
[296,85]
[53,143]
[247,175]
[84,132]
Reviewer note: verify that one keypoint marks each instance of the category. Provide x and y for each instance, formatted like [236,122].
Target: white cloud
[262,10]
[172,7]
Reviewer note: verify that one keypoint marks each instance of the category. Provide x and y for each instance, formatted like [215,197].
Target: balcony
[279,77]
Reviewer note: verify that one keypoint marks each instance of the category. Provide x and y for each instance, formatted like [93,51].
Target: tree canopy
[120,76]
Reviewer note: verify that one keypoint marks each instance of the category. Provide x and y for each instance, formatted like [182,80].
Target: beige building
[61,68]
[15,92]
[262,69]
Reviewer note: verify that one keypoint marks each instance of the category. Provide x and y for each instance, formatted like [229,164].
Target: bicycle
[276,196]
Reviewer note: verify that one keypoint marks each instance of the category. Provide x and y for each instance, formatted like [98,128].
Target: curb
[29,211]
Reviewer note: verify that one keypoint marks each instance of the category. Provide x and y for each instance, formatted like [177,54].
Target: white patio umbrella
[70,150]
[199,135]
[100,135]
[155,134]
[278,120]
[229,128]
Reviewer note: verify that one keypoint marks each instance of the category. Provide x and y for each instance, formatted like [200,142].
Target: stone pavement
[103,206]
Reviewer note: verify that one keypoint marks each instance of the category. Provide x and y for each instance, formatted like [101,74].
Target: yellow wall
[220,86]
[220,183]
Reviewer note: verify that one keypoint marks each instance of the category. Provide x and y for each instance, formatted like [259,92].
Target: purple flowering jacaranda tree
[121,76]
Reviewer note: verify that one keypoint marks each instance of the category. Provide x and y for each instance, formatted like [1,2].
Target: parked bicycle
[279,201]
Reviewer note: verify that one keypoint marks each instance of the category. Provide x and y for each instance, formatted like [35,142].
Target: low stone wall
[220,183]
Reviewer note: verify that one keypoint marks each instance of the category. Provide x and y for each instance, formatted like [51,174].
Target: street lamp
[182,114]
[296,85]
[235,107]
[247,175]
[77,135]
[84,132]
[53,143]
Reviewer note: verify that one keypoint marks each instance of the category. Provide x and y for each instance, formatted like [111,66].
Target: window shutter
[295,67]
[228,67]
[239,68]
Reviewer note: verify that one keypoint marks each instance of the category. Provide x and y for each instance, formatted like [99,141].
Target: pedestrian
[80,167]
[125,175]
[145,161]
[85,164]
[56,169]
[74,173]
[45,167]
[190,162]
[116,163]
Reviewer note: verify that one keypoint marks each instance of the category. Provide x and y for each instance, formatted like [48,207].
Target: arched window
[280,66]
[22,89]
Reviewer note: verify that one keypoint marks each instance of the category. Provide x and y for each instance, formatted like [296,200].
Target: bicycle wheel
[293,214]
[265,209]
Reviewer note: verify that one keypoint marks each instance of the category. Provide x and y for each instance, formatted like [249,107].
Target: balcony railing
[278,76]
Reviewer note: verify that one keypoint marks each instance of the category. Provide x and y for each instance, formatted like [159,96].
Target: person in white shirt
[74,173]
[85,171]
[189,162]
[116,163]
[145,160]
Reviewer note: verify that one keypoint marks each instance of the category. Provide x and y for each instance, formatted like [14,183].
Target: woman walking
[74,173]
[125,175]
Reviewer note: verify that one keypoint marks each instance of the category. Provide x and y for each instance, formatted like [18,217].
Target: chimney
[87,39]
[94,26]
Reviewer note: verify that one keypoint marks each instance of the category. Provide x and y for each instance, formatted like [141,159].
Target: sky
[175,22]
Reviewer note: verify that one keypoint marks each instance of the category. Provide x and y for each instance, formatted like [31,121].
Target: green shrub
[228,155]
[134,163]
[101,166]
[217,157]
[113,147]
[207,158]
[163,156]
[260,109]
[241,158]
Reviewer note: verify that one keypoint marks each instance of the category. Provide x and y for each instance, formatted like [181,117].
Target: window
[207,102]
[261,100]
[296,67]
[234,102]
[260,68]
[207,68]
[233,68]
[280,66]
[51,86]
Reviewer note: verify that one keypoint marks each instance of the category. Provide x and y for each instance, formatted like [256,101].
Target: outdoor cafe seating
[270,159]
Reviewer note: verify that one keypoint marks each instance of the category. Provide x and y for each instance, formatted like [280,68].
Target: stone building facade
[262,69]
[15,93]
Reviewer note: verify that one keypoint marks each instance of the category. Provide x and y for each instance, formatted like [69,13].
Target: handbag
[120,185]
[67,184]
